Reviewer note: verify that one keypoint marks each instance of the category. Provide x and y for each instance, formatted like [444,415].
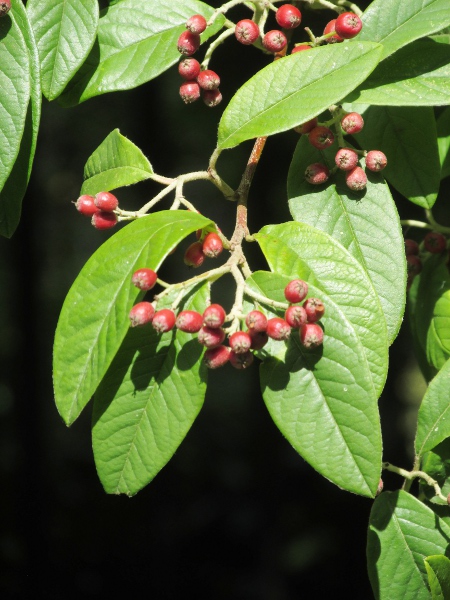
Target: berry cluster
[433,243]
[345,27]
[100,208]
[208,245]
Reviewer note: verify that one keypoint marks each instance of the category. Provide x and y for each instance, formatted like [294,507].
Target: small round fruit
[311,335]
[212,245]
[141,314]
[346,159]
[259,339]
[188,43]
[278,329]
[330,28]
[194,257]
[434,242]
[296,291]
[104,220]
[5,7]
[214,316]
[208,80]
[348,25]
[240,342]
[106,201]
[376,160]
[209,337]
[144,279]
[288,16]
[314,308]
[317,173]
[296,316]
[256,321]
[321,137]
[356,179]
[300,48]
[411,247]
[196,24]
[164,320]
[189,68]
[241,361]
[212,98]
[189,91]
[86,205]
[352,123]
[306,127]
[246,32]
[413,265]
[274,41]
[189,321]
[217,357]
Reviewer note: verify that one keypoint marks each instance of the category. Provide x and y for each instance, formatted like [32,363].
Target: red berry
[188,43]
[300,48]
[321,137]
[5,6]
[141,314]
[194,257]
[189,68]
[278,329]
[259,339]
[411,247]
[240,342]
[274,41]
[241,361]
[256,321]
[434,242]
[356,179]
[413,265]
[306,127]
[212,245]
[348,25]
[376,160]
[86,205]
[189,321]
[352,123]
[164,320]
[317,173]
[246,32]
[296,291]
[217,357]
[212,98]
[346,159]
[144,279]
[104,220]
[329,28]
[214,316]
[209,337]
[196,24]
[288,16]
[189,91]
[314,308]
[106,201]
[208,80]
[296,316]
[311,335]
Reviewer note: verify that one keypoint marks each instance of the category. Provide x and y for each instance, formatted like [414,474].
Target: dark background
[236,513]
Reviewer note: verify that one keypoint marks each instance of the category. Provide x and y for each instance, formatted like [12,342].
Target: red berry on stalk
[189,91]
[144,279]
[296,291]
[141,314]
[212,245]
[208,80]
[189,68]
[376,160]
[346,159]
[241,361]
[348,25]
[278,329]
[300,48]
[5,7]
[240,342]
[214,316]
[274,41]
[86,205]
[212,98]
[288,16]
[259,339]
[106,201]
[216,357]
[188,43]
[164,320]
[356,179]
[246,32]
[189,321]
[306,127]
[196,24]
[434,242]
[352,123]
[317,173]
[296,316]
[321,137]
[411,247]
[311,335]
[104,220]
[256,321]
[194,257]
[329,28]
[314,308]
[209,337]
[413,265]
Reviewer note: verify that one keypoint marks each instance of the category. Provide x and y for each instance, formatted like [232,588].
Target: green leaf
[323,401]
[136,42]
[443,132]
[395,131]
[438,571]
[115,163]
[94,318]
[15,185]
[147,402]
[367,225]
[434,413]
[417,75]
[436,463]
[402,532]
[395,24]
[295,89]
[65,32]
[299,250]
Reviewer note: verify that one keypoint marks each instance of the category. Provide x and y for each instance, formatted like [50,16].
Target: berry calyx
[413,265]
[212,245]
[296,316]
[106,201]
[164,320]
[189,321]
[300,48]
[217,357]
[317,173]
[348,25]
[330,28]
[196,24]
[321,137]
[352,123]
[356,179]
[5,7]
[241,361]
[209,337]
[274,41]
[212,98]
[376,160]
[208,80]
[104,220]
[256,321]
[311,335]
[296,291]
[246,32]
[214,316]
[144,279]
[189,91]
[288,16]
[411,247]
[259,339]
[188,43]
[189,68]
[346,159]
[314,308]
[86,205]
[306,127]
[434,242]
[240,342]
[141,314]
[194,257]
[278,329]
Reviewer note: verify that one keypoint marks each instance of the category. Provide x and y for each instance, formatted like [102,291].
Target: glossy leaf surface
[438,571]
[443,132]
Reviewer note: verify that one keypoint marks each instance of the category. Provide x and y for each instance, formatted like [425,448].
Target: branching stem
[411,475]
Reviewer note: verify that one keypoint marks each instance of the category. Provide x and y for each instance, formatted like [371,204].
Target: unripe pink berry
[86,205]
[346,159]
[188,43]
[278,329]
[411,247]
[189,321]
[296,316]
[274,41]
[288,16]
[194,257]
[104,220]
[321,137]
[311,335]
[434,242]
[106,201]
[376,160]
[352,123]
[296,291]
[141,314]
[240,342]
[314,308]
[5,7]
[259,339]
[317,173]
[214,316]
[212,98]
[413,265]
[212,245]
[208,80]
[380,487]
[256,321]
[300,48]
[356,179]
[348,25]
[246,32]
[217,357]
[241,361]
[196,24]
[189,68]
[164,320]
[189,91]
[144,279]
[209,337]
[329,28]
[306,127]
